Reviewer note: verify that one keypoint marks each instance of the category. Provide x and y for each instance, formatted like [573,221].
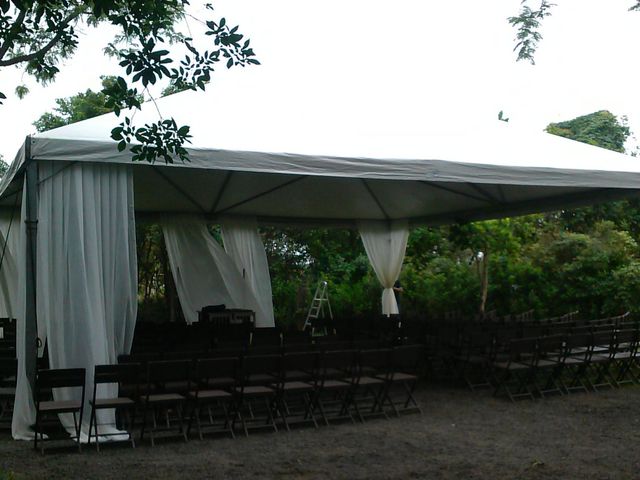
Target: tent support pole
[31,221]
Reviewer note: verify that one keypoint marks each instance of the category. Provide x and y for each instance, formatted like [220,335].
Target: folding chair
[46,380]
[8,372]
[577,351]
[297,387]
[256,376]
[121,375]
[335,383]
[475,358]
[370,382]
[624,357]
[168,382]
[514,375]
[405,365]
[548,365]
[213,380]
[601,358]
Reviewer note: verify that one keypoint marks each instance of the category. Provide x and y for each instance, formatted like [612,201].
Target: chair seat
[255,390]
[599,358]
[60,406]
[296,386]
[510,366]
[210,394]
[7,392]
[402,377]
[547,363]
[296,375]
[260,378]
[335,384]
[165,398]
[370,381]
[220,382]
[112,402]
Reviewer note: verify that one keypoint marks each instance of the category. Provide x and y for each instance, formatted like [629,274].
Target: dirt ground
[461,435]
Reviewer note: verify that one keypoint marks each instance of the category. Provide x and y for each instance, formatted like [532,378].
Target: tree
[602,129]
[528,23]
[3,166]
[37,35]
[78,107]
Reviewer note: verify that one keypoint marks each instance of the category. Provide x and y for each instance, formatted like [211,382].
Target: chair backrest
[263,350]
[261,364]
[306,361]
[122,373]
[378,359]
[407,357]
[8,371]
[345,360]
[522,349]
[208,368]
[168,371]
[60,377]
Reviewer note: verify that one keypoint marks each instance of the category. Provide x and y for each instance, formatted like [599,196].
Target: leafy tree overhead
[528,23]
[38,35]
[78,107]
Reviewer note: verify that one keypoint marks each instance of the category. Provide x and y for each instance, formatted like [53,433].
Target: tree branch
[44,50]
[8,42]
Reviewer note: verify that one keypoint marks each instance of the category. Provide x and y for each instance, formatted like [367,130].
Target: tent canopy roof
[292,161]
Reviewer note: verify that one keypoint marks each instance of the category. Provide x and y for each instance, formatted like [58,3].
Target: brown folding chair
[255,378]
[406,362]
[213,380]
[334,382]
[122,375]
[296,387]
[168,383]
[46,380]
[370,383]
[8,372]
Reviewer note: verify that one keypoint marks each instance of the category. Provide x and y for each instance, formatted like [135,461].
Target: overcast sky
[443,63]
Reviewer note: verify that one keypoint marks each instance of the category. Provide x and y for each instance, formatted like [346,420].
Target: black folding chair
[297,387]
[515,375]
[213,380]
[370,383]
[168,383]
[255,382]
[335,380]
[624,357]
[124,374]
[8,372]
[405,364]
[46,380]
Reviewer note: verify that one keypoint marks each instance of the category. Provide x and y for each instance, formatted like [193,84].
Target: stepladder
[320,308]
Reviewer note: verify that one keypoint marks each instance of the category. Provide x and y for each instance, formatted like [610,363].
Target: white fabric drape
[203,272]
[23,408]
[9,245]
[86,272]
[243,244]
[385,244]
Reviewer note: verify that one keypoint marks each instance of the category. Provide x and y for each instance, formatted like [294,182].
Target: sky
[435,64]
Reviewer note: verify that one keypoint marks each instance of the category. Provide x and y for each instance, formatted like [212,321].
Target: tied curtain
[243,244]
[203,272]
[86,276]
[385,244]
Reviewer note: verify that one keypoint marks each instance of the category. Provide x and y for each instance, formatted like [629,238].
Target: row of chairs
[219,393]
[555,364]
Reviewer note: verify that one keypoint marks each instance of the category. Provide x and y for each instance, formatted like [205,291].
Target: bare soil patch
[461,435]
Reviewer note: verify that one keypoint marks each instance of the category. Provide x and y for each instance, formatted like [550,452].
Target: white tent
[253,159]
